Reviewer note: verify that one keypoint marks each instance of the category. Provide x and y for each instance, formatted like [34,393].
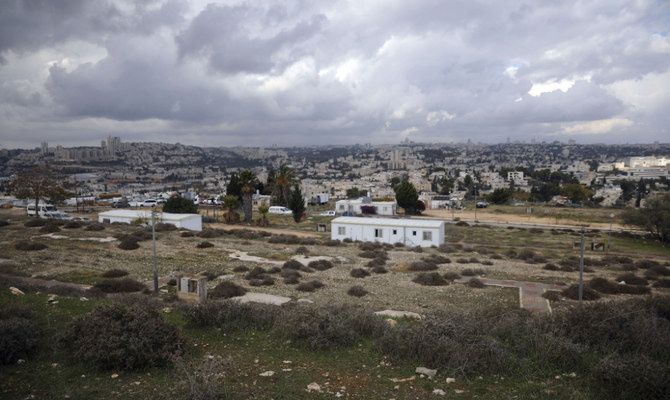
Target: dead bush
[430,279]
[476,283]
[660,270]
[628,267]
[72,225]
[357,291]
[445,248]
[187,234]
[632,279]
[274,270]
[572,292]
[462,223]
[602,285]
[370,246]
[487,262]
[25,245]
[462,260]
[421,266]
[125,285]
[20,333]
[49,228]
[496,256]
[451,276]
[437,259]
[3,223]
[309,286]
[207,233]
[331,243]
[552,295]
[662,283]
[292,264]
[551,267]
[291,280]
[114,273]
[226,290]
[320,265]
[94,227]
[633,376]
[255,273]
[359,273]
[473,260]
[204,245]
[290,273]
[302,250]
[241,268]
[646,264]
[651,275]
[473,272]
[35,222]
[262,280]
[417,249]
[378,269]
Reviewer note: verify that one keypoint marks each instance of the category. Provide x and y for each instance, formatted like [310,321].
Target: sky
[291,73]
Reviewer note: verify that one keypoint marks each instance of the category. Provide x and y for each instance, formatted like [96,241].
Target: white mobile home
[410,232]
[187,221]
[353,206]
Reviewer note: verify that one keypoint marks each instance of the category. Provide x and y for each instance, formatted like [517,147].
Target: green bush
[115,337]
[20,333]
[231,316]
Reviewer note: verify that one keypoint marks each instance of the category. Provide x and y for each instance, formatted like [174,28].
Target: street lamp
[475,203]
[610,232]
[453,226]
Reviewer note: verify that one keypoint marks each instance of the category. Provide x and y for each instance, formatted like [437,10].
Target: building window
[341,230]
[413,233]
[395,232]
[378,232]
[427,235]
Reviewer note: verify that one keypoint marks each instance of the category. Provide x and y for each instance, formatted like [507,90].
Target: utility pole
[153,234]
[609,236]
[475,203]
[453,224]
[581,268]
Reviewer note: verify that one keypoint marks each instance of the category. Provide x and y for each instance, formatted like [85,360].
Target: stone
[82,298]
[451,380]
[16,291]
[398,314]
[308,301]
[314,387]
[439,392]
[114,376]
[267,373]
[426,371]
[392,323]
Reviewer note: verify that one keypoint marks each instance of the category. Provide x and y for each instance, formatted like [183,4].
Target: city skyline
[214,73]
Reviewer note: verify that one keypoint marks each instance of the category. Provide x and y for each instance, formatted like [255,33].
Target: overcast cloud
[256,73]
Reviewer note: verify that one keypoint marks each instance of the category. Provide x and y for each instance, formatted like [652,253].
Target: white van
[279,210]
[42,209]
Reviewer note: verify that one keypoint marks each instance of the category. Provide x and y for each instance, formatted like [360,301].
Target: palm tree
[281,190]
[247,180]
[263,220]
[231,203]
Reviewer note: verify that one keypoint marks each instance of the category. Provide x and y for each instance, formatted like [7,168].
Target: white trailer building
[410,232]
[187,221]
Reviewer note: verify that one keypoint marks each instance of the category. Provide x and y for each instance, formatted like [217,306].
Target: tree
[545,192]
[179,205]
[355,193]
[653,217]
[576,192]
[297,203]
[38,183]
[263,220]
[247,181]
[406,196]
[231,203]
[234,187]
[281,191]
[499,196]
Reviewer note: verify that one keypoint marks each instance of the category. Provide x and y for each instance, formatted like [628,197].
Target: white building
[187,221]
[353,206]
[410,232]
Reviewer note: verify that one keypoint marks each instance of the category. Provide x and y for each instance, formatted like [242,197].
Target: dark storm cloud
[292,72]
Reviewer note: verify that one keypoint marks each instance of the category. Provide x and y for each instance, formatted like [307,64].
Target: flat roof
[415,223]
[147,214]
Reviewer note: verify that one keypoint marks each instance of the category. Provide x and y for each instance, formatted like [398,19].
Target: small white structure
[353,206]
[187,221]
[410,232]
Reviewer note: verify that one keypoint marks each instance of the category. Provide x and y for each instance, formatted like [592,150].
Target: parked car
[121,204]
[57,215]
[328,213]
[279,210]
[161,201]
[148,203]
[481,204]
[41,209]
[81,219]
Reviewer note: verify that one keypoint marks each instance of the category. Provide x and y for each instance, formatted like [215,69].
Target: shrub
[292,264]
[633,376]
[172,282]
[487,262]
[119,285]
[451,276]
[370,246]
[444,248]
[3,222]
[646,264]
[662,283]
[309,286]
[142,235]
[25,245]
[628,267]
[163,227]
[604,286]
[651,275]
[128,244]
[552,295]
[359,273]
[376,262]
[417,249]
[632,279]
[115,337]
[430,279]
[204,245]
[302,250]
[94,227]
[256,272]
[292,280]
[357,291]
[72,225]
[20,333]
[378,269]
[187,234]
[114,273]
[208,233]
[230,315]
[320,265]
[274,270]
[290,273]
[262,280]
[49,228]
[462,223]
[473,260]
[551,267]
[35,222]
[368,254]
[572,292]
[462,261]
[331,243]
[496,256]
[226,290]
[473,272]
[437,259]
[241,268]
[476,283]
[660,270]
[421,266]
